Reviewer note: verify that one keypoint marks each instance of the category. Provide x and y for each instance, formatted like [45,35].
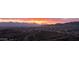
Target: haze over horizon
[40,20]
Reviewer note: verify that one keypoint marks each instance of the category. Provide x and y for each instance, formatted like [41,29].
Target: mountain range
[53,32]
[12,24]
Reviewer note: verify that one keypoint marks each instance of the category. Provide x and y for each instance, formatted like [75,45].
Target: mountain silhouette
[52,32]
[65,26]
[15,24]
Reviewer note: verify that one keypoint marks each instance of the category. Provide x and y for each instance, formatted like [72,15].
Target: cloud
[39,20]
[33,20]
[71,19]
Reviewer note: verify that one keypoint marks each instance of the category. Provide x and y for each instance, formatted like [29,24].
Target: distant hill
[65,24]
[68,26]
[71,26]
[53,32]
[11,24]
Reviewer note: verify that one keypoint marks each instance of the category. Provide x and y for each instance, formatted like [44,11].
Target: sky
[39,20]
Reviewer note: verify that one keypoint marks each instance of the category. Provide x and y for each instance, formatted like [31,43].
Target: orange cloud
[33,20]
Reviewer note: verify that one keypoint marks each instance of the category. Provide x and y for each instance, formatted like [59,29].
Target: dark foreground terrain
[58,32]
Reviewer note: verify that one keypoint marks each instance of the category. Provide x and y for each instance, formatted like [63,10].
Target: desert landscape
[52,31]
[13,31]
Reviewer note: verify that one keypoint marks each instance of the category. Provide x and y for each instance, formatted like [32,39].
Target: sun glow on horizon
[32,20]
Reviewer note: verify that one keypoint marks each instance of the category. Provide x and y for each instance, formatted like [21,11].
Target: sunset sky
[39,20]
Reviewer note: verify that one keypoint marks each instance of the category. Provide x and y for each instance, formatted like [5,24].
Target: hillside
[15,24]
[57,32]
[73,26]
